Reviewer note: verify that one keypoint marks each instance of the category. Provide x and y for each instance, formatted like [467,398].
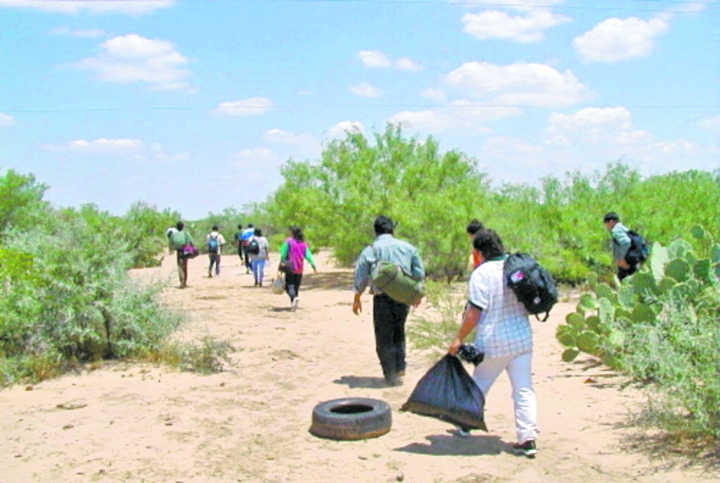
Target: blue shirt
[247,233]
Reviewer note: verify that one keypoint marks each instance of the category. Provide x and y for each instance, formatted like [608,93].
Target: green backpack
[179,239]
[396,283]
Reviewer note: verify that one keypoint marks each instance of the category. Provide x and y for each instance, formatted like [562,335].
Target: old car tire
[351,418]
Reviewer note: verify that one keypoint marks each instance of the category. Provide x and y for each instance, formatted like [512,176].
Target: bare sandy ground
[144,423]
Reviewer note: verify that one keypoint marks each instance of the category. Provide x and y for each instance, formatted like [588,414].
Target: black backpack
[532,284]
[638,251]
[253,246]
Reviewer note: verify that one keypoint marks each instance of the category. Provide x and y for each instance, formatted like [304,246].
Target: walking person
[244,240]
[178,241]
[473,227]
[294,252]
[503,334]
[389,315]
[259,252]
[621,245]
[215,242]
[237,241]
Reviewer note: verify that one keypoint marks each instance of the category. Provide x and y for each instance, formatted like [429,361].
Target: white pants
[519,368]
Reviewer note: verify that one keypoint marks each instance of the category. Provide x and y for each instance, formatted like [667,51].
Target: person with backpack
[389,315]
[215,242]
[244,240]
[182,243]
[502,334]
[259,252]
[626,255]
[293,253]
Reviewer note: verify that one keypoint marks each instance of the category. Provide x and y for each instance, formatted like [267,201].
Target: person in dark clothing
[389,315]
[621,245]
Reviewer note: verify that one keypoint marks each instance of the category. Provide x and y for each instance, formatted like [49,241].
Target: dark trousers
[215,261]
[626,272]
[389,320]
[292,284]
[247,258]
[182,265]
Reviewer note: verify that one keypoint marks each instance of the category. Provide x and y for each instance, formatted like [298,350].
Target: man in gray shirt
[621,244]
[388,315]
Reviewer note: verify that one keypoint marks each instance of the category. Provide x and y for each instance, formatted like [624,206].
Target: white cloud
[436,95]
[158,154]
[88,33]
[132,58]
[592,118]
[616,39]
[594,124]
[132,7]
[6,120]
[301,145]
[613,129]
[374,58]
[529,27]
[243,107]
[340,129]
[246,156]
[689,6]
[407,64]
[460,115]
[98,145]
[365,90]
[515,4]
[710,123]
[517,84]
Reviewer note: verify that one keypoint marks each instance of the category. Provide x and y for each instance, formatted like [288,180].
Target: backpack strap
[544,319]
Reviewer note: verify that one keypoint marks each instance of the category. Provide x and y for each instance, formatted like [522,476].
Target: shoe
[295,304]
[394,380]
[462,432]
[526,448]
[401,373]
[210,273]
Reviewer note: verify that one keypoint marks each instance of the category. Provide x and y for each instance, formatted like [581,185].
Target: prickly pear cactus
[673,273]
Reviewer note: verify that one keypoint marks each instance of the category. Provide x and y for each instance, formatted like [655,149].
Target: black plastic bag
[447,392]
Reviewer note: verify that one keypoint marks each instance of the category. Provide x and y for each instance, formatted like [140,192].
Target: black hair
[215,228]
[612,216]
[488,243]
[474,226]
[179,225]
[257,232]
[250,225]
[384,225]
[297,233]
[240,227]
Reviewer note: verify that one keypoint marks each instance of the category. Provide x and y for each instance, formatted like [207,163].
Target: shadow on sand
[363,382]
[452,445]
[327,281]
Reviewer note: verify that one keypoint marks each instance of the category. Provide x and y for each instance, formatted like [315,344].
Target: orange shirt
[475,258]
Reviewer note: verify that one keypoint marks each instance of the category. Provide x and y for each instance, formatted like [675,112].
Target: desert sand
[132,422]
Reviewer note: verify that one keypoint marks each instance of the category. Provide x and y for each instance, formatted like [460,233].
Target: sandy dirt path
[145,423]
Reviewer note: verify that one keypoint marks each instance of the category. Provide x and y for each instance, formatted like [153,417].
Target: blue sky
[195,105]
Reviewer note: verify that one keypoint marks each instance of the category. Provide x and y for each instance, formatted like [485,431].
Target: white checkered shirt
[504,327]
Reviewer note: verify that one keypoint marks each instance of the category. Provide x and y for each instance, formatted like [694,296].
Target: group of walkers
[500,321]
[254,252]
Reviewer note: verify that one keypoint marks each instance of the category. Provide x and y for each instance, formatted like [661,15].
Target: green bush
[67,297]
[660,326]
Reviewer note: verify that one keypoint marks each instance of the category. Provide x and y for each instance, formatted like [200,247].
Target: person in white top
[215,242]
[258,259]
[503,334]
